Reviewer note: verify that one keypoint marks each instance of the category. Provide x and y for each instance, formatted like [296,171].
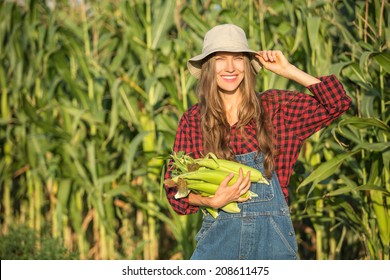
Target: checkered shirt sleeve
[188,139]
[296,116]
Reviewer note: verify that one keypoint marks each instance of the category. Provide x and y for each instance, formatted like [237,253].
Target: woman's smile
[230,78]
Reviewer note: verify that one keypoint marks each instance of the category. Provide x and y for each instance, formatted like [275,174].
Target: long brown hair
[215,126]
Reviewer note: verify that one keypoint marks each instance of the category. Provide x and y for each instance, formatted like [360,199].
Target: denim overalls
[262,230]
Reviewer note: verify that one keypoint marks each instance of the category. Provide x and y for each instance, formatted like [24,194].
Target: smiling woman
[264,131]
[230,71]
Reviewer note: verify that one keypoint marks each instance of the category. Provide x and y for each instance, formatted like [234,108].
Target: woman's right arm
[182,143]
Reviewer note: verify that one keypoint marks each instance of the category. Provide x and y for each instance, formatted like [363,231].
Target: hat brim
[194,64]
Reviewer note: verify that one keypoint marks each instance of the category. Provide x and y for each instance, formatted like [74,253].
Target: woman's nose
[229,65]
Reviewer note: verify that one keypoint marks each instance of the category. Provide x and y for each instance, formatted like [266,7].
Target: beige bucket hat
[223,38]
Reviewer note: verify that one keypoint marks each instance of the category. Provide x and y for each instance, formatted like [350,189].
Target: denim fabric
[262,230]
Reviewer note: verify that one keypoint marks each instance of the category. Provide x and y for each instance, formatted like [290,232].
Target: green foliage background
[91,93]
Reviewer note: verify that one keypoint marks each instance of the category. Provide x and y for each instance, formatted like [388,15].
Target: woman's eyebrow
[227,54]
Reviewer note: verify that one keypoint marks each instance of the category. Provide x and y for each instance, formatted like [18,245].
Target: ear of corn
[204,176]
[213,212]
[215,176]
[212,162]
[231,207]
[206,188]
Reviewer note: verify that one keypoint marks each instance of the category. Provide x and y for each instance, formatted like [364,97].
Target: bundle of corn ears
[204,175]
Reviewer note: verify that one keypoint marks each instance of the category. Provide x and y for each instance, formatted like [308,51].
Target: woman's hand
[226,194]
[276,62]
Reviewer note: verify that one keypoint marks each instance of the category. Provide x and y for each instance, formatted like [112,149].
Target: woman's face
[229,71]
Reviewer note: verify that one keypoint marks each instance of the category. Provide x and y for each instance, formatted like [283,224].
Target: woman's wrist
[204,201]
[293,73]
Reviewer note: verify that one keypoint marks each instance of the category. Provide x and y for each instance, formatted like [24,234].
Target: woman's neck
[231,104]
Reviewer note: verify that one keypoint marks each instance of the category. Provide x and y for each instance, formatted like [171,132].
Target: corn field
[91,95]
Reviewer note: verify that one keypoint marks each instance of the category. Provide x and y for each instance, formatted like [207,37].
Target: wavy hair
[214,123]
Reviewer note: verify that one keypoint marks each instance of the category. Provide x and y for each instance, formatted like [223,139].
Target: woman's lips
[229,78]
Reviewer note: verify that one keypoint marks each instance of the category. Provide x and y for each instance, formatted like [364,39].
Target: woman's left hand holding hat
[275,61]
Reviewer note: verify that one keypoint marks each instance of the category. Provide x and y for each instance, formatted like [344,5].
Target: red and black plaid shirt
[295,117]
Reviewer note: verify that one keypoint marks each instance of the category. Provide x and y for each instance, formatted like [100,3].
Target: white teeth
[229,77]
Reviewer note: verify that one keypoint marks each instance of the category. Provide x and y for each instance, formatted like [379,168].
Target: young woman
[263,130]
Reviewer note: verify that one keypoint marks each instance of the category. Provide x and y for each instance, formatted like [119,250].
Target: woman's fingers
[269,55]
[243,182]
[227,179]
[244,186]
[275,61]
